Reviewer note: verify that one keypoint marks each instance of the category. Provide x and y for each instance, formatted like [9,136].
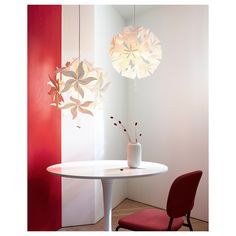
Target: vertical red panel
[44,121]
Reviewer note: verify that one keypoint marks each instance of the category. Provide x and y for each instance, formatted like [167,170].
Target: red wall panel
[44,121]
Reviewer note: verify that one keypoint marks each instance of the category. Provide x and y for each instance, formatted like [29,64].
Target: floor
[127,207]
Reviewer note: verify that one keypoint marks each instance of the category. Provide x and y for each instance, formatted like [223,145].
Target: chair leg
[189,223]
[117,228]
[170,224]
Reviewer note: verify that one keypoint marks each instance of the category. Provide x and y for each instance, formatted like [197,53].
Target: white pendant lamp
[135,52]
[78,86]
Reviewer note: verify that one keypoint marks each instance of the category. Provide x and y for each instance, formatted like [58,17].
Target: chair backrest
[182,194]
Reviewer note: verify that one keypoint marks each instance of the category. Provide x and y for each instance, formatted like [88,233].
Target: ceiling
[127,11]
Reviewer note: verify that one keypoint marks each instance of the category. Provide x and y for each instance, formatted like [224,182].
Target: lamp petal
[69,73]
[79,89]
[87,80]
[80,71]
[85,111]
[86,104]
[68,85]
[74,112]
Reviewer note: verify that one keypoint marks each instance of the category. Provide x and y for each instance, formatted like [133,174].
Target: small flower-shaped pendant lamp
[135,52]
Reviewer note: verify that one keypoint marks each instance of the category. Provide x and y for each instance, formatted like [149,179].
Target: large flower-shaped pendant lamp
[136,52]
[78,86]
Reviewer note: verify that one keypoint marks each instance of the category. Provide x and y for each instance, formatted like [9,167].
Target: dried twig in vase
[120,125]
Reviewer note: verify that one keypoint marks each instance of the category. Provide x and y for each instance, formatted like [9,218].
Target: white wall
[82,201]
[172,105]
[108,23]
[171,108]
[78,204]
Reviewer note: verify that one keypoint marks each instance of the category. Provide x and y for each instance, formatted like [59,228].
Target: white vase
[134,155]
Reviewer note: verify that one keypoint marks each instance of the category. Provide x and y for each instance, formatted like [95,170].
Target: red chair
[179,204]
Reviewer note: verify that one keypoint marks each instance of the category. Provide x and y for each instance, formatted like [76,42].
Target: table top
[100,169]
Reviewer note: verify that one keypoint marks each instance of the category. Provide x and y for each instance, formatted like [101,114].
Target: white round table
[106,171]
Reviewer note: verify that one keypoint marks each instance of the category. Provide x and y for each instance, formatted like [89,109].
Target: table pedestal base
[107,201]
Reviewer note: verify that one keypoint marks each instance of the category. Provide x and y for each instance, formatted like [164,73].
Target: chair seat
[149,220]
